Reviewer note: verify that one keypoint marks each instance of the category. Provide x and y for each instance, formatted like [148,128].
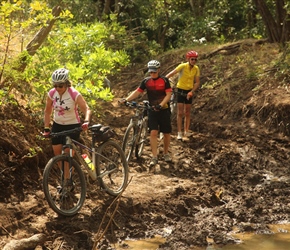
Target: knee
[154,133]
[180,113]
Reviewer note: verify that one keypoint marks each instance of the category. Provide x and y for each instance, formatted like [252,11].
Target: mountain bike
[109,166]
[135,136]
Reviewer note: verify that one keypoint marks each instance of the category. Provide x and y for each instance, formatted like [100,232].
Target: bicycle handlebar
[95,129]
[66,132]
[144,105]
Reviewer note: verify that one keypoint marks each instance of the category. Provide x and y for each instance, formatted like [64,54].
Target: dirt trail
[232,174]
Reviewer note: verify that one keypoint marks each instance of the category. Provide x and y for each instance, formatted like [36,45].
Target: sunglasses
[193,59]
[153,72]
[58,86]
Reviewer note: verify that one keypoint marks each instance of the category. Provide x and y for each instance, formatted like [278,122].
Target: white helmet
[60,75]
[153,65]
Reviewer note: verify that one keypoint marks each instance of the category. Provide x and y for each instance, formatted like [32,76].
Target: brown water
[145,244]
[279,240]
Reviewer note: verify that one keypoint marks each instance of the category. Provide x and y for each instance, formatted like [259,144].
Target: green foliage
[81,49]
[16,124]
[176,23]
[84,11]
[19,20]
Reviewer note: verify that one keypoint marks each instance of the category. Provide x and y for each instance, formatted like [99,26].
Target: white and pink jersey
[65,108]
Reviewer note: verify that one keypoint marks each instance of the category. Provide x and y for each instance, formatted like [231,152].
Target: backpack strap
[51,93]
[73,93]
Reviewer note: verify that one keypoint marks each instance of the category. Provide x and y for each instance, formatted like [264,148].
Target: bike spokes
[129,141]
[65,193]
[142,138]
[112,167]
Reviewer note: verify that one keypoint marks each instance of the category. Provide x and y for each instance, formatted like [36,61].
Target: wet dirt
[232,173]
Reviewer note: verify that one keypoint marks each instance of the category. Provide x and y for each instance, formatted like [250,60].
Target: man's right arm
[131,97]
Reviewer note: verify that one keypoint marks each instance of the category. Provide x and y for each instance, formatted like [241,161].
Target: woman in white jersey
[63,101]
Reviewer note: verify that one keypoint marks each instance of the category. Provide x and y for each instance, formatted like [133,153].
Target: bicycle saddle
[96,127]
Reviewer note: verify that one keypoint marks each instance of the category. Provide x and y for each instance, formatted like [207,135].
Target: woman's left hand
[189,95]
[85,125]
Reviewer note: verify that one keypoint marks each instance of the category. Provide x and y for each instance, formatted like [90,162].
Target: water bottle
[88,161]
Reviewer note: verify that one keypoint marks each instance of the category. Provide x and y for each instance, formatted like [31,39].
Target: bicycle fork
[66,167]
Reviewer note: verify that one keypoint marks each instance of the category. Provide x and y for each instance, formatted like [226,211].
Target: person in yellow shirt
[188,83]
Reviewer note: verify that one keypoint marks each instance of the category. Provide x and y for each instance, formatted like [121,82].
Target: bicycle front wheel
[128,144]
[112,167]
[65,196]
[142,137]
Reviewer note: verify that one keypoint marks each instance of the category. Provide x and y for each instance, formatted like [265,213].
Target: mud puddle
[278,237]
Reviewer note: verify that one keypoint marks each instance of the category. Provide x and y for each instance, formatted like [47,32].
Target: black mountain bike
[136,133]
[64,182]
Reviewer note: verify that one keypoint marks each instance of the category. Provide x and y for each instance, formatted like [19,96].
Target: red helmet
[191,54]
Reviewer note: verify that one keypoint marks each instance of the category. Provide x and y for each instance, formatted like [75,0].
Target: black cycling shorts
[160,120]
[59,128]
[182,96]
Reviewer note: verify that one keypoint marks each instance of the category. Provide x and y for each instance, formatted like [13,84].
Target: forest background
[96,39]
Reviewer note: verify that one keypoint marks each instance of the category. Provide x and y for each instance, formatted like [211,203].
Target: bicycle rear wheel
[128,144]
[142,137]
[65,197]
[112,167]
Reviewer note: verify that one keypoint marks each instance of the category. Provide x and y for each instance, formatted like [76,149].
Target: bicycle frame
[136,120]
[136,125]
[74,151]
[71,144]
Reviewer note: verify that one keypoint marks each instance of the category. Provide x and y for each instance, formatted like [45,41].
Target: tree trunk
[35,43]
[284,21]
[39,38]
[278,30]
[107,7]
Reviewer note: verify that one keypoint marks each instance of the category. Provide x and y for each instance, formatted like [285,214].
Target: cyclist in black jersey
[159,92]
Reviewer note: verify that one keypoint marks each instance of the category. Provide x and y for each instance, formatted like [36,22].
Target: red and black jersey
[156,89]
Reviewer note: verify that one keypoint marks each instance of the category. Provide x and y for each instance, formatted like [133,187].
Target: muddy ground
[232,175]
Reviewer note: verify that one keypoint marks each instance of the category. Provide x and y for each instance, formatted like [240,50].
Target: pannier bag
[102,133]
